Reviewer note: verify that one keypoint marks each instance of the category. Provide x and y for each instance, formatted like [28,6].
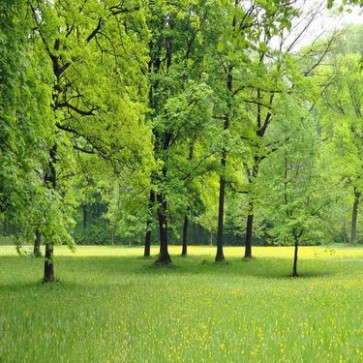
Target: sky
[353,15]
[325,21]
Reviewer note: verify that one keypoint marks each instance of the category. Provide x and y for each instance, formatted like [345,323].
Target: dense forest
[195,121]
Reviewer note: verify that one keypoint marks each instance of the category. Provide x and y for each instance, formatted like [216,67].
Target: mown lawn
[113,306]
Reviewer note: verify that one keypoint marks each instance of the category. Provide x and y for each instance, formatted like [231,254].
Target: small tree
[297,202]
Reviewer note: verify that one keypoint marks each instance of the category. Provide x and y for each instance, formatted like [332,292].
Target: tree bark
[50,181]
[353,236]
[164,257]
[249,230]
[147,245]
[222,187]
[186,219]
[149,218]
[250,216]
[37,243]
[222,180]
[294,267]
[5,226]
[49,266]
[185,236]
[85,216]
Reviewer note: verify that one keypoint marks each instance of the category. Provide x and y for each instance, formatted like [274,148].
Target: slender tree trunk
[50,180]
[5,226]
[353,236]
[222,180]
[147,245]
[250,217]
[164,257]
[37,243]
[294,267]
[186,219]
[249,230]
[149,219]
[49,266]
[345,230]
[222,187]
[185,236]
[85,217]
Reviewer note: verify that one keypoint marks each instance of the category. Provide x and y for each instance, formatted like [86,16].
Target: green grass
[113,306]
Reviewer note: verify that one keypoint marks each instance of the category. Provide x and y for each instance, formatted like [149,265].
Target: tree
[24,103]
[98,87]
[178,101]
[341,113]
[274,71]
[297,206]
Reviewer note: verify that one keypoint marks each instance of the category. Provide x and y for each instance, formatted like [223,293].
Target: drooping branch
[35,17]
[261,131]
[76,109]
[322,55]
[101,150]
[95,31]
[120,9]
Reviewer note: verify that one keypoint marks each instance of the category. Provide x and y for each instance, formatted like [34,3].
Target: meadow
[111,305]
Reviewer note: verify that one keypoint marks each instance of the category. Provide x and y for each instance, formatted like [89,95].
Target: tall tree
[178,97]
[24,102]
[274,72]
[341,114]
[96,53]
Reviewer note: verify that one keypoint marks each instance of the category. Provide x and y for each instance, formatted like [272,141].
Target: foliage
[298,208]
[344,3]
[26,133]
[340,114]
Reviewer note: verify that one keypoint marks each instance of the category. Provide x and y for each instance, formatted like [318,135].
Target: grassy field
[111,305]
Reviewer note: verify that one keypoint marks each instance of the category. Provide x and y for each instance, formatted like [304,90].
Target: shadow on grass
[103,271]
[266,268]
[19,287]
[27,287]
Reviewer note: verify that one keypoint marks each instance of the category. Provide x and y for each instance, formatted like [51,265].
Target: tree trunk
[186,219]
[85,217]
[49,266]
[149,219]
[250,216]
[5,226]
[222,181]
[185,236]
[249,229]
[164,257]
[222,187]
[50,180]
[37,243]
[147,245]
[353,236]
[294,267]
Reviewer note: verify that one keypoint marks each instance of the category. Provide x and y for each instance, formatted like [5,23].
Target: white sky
[325,21]
[336,19]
